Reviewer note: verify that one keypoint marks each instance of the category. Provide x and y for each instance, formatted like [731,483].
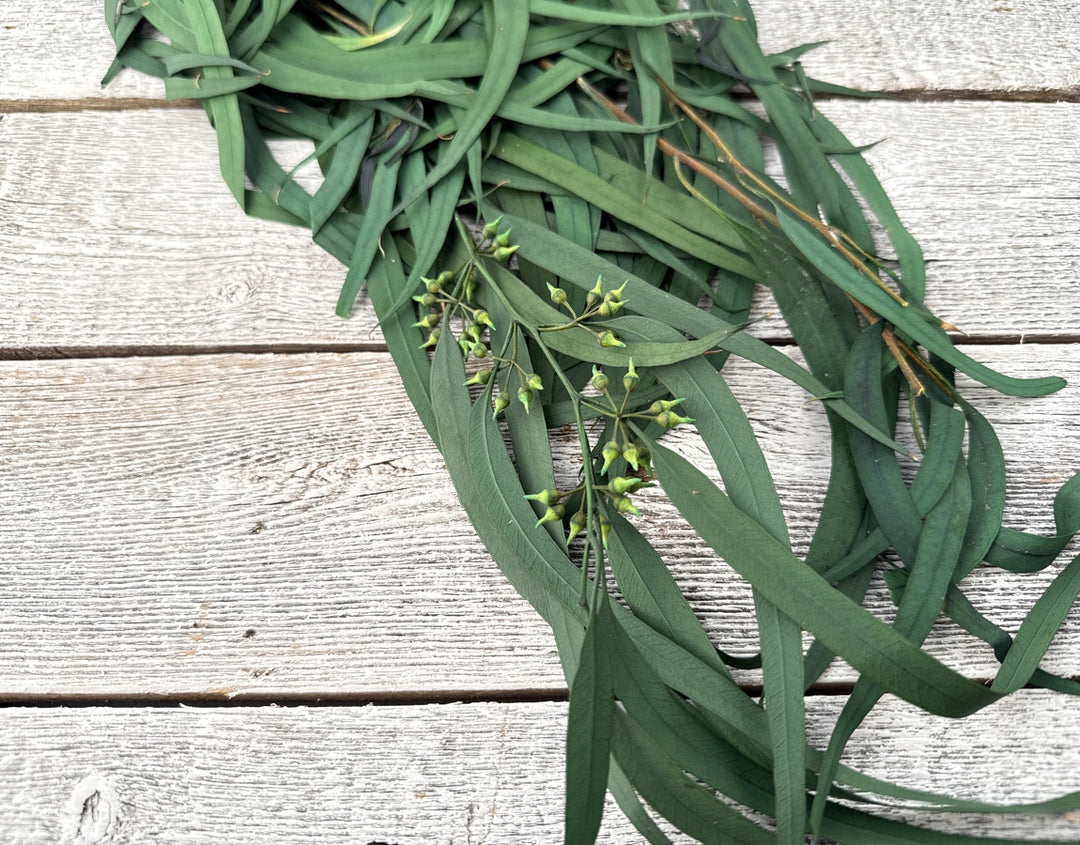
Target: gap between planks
[1070,94]
[59,353]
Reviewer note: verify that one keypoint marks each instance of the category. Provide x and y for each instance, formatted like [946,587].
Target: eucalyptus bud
[500,403]
[551,514]
[429,321]
[631,380]
[610,453]
[595,295]
[599,380]
[503,238]
[608,339]
[492,229]
[524,396]
[621,485]
[482,318]
[624,505]
[669,419]
[631,455]
[444,278]
[432,286]
[616,295]
[480,377]
[662,405]
[428,300]
[479,350]
[534,382]
[432,339]
[473,332]
[605,529]
[503,253]
[578,522]
[558,295]
[550,496]
[608,308]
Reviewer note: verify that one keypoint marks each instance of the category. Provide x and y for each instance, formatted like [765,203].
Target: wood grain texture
[967,46]
[239,525]
[113,237]
[478,773]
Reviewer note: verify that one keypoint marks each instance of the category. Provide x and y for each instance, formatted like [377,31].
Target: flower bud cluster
[453,292]
[494,243]
[598,304]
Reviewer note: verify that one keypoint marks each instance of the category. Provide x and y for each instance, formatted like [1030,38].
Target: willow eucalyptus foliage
[613,154]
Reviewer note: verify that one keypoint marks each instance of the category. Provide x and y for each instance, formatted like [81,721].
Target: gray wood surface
[213,491]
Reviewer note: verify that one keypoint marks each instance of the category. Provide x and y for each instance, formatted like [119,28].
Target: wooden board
[1007,47]
[228,525]
[86,199]
[477,773]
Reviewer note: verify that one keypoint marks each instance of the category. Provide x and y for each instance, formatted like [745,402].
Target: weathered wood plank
[980,45]
[111,236]
[228,525]
[442,773]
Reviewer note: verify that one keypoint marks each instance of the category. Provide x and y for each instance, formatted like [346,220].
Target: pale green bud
[608,339]
[610,454]
[595,295]
[480,377]
[524,396]
[624,505]
[631,380]
[492,229]
[432,339]
[599,380]
[550,496]
[558,295]
[578,522]
[605,529]
[631,455]
[483,318]
[503,253]
[479,350]
[503,238]
[427,300]
[429,321]
[551,514]
[534,382]
[669,419]
[621,485]
[500,403]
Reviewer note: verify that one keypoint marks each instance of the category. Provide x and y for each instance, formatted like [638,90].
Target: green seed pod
[482,318]
[445,277]
[558,295]
[432,286]
[480,377]
[429,321]
[578,522]
[428,300]
[631,380]
[551,514]
[534,382]
[616,295]
[608,308]
[492,229]
[524,396]
[432,339]
[662,405]
[473,332]
[621,485]
[624,505]
[599,380]
[550,496]
[631,455]
[610,453]
[500,403]
[503,253]
[605,529]
[503,238]
[669,419]
[595,295]
[479,351]
[608,339]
